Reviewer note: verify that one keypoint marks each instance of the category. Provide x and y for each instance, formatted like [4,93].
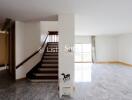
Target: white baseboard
[113,62]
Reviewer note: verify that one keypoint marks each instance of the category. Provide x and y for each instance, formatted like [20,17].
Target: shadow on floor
[5,79]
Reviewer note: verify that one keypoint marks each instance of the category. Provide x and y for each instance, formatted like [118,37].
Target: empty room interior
[65,50]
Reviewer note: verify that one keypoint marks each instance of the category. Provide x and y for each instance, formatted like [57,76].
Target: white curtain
[93,49]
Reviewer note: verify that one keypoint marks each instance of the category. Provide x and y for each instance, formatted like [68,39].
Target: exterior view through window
[83,53]
[82,67]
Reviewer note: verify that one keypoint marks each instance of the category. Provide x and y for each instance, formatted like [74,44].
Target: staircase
[47,69]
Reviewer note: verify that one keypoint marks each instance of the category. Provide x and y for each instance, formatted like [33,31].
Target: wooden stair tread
[45,74]
[48,68]
[43,80]
[49,64]
[46,77]
[49,60]
[47,71]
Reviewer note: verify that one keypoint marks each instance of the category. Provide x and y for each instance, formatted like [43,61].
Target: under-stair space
[47,69]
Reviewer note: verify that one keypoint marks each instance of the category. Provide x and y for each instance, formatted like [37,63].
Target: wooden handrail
[44,42]
[28,58]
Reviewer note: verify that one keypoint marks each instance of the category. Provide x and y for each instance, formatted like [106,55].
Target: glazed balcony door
[83,53]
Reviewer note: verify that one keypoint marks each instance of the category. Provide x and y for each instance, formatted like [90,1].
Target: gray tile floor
[106,82]
[25,90]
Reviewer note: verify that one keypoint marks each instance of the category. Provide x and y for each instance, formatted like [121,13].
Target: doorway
[83,59]
[7,47]
[3,50]
[83,53]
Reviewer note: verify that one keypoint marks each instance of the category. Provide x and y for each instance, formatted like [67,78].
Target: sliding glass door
[83,53]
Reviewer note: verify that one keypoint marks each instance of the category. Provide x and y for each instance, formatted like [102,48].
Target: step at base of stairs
[42,80]
[45,74]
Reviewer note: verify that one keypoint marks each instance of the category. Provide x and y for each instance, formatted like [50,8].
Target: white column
[66,58]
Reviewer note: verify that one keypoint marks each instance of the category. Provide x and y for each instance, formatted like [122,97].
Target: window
[82,52]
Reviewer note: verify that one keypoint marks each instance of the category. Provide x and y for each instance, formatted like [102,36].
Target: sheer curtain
[93,49]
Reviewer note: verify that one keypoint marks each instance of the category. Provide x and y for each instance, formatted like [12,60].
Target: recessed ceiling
[92,16]
[34,9]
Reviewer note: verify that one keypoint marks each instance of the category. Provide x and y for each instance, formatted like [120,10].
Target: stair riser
[46,62]
[47,72]
[48,69]
[49,65]
[50,57]
[51,53]
[55,43]
[50,60]
[42,80]
[54,70]
[51,43]
[46,75]
[52,46]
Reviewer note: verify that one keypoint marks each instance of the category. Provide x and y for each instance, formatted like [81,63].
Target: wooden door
[3,49]
[9,26]
[12,66]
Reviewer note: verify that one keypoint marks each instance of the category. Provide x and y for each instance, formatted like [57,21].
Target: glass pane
[78,48]
[86,47]
[83,52]
[78,57]
[86,56]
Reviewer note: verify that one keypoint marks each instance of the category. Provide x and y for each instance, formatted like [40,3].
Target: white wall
[103,22]
[48,26]
[29,38]
[66,59]
[111,47]
[83,39]
[125,48]
[106,48]
[27,42]
[19,42]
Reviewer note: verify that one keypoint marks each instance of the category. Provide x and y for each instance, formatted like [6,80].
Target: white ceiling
[92,16]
